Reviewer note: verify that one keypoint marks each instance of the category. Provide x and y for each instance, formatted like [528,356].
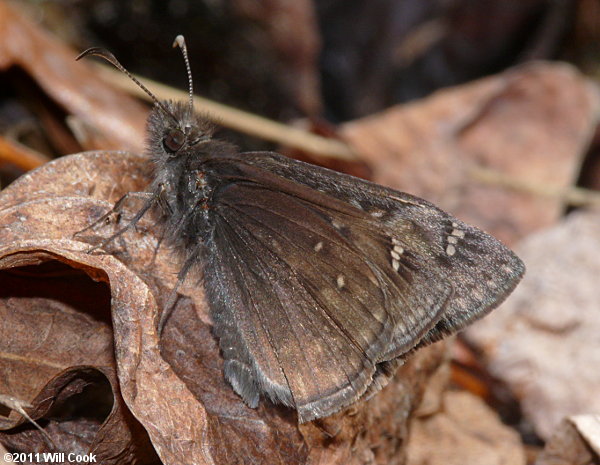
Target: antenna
[180,42]
[103,53]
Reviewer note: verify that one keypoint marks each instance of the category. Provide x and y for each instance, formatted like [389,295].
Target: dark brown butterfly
[318,283]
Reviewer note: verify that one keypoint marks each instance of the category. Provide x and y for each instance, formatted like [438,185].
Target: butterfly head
[174,130]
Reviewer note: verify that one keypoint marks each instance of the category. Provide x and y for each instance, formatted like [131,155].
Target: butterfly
[318,283]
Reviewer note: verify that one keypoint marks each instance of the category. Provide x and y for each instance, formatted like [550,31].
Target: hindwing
[311,288]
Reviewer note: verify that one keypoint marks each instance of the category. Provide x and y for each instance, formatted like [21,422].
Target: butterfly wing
[308,294]
[482,271]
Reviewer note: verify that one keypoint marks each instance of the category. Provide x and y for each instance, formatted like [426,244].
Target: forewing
[482,271]
[307,296]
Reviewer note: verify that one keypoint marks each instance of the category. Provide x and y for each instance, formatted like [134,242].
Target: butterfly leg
[156,249]
[151,199]
[190,261]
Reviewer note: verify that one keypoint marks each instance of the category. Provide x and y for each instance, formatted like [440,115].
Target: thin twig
[239,120]
[19,406]
[273,131]
[574,196]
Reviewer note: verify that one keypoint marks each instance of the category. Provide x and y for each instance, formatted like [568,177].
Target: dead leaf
[575,441]
[74,85]
[174,386]
[532,123]
[543,342]
[464,432]
[56,347]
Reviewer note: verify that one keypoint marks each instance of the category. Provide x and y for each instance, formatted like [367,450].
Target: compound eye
[174,140]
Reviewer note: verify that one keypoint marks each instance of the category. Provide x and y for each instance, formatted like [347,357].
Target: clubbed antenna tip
[180,42]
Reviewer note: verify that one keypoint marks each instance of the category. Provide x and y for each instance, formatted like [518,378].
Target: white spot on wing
[341,281]
[396,251]
[458,233]
[318,246]
[453,238]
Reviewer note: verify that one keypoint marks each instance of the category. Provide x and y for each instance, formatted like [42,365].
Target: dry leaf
[575,441]
[56,346]
[543,342]
[174,386]
[464,432]
[532,123]
[74,85]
